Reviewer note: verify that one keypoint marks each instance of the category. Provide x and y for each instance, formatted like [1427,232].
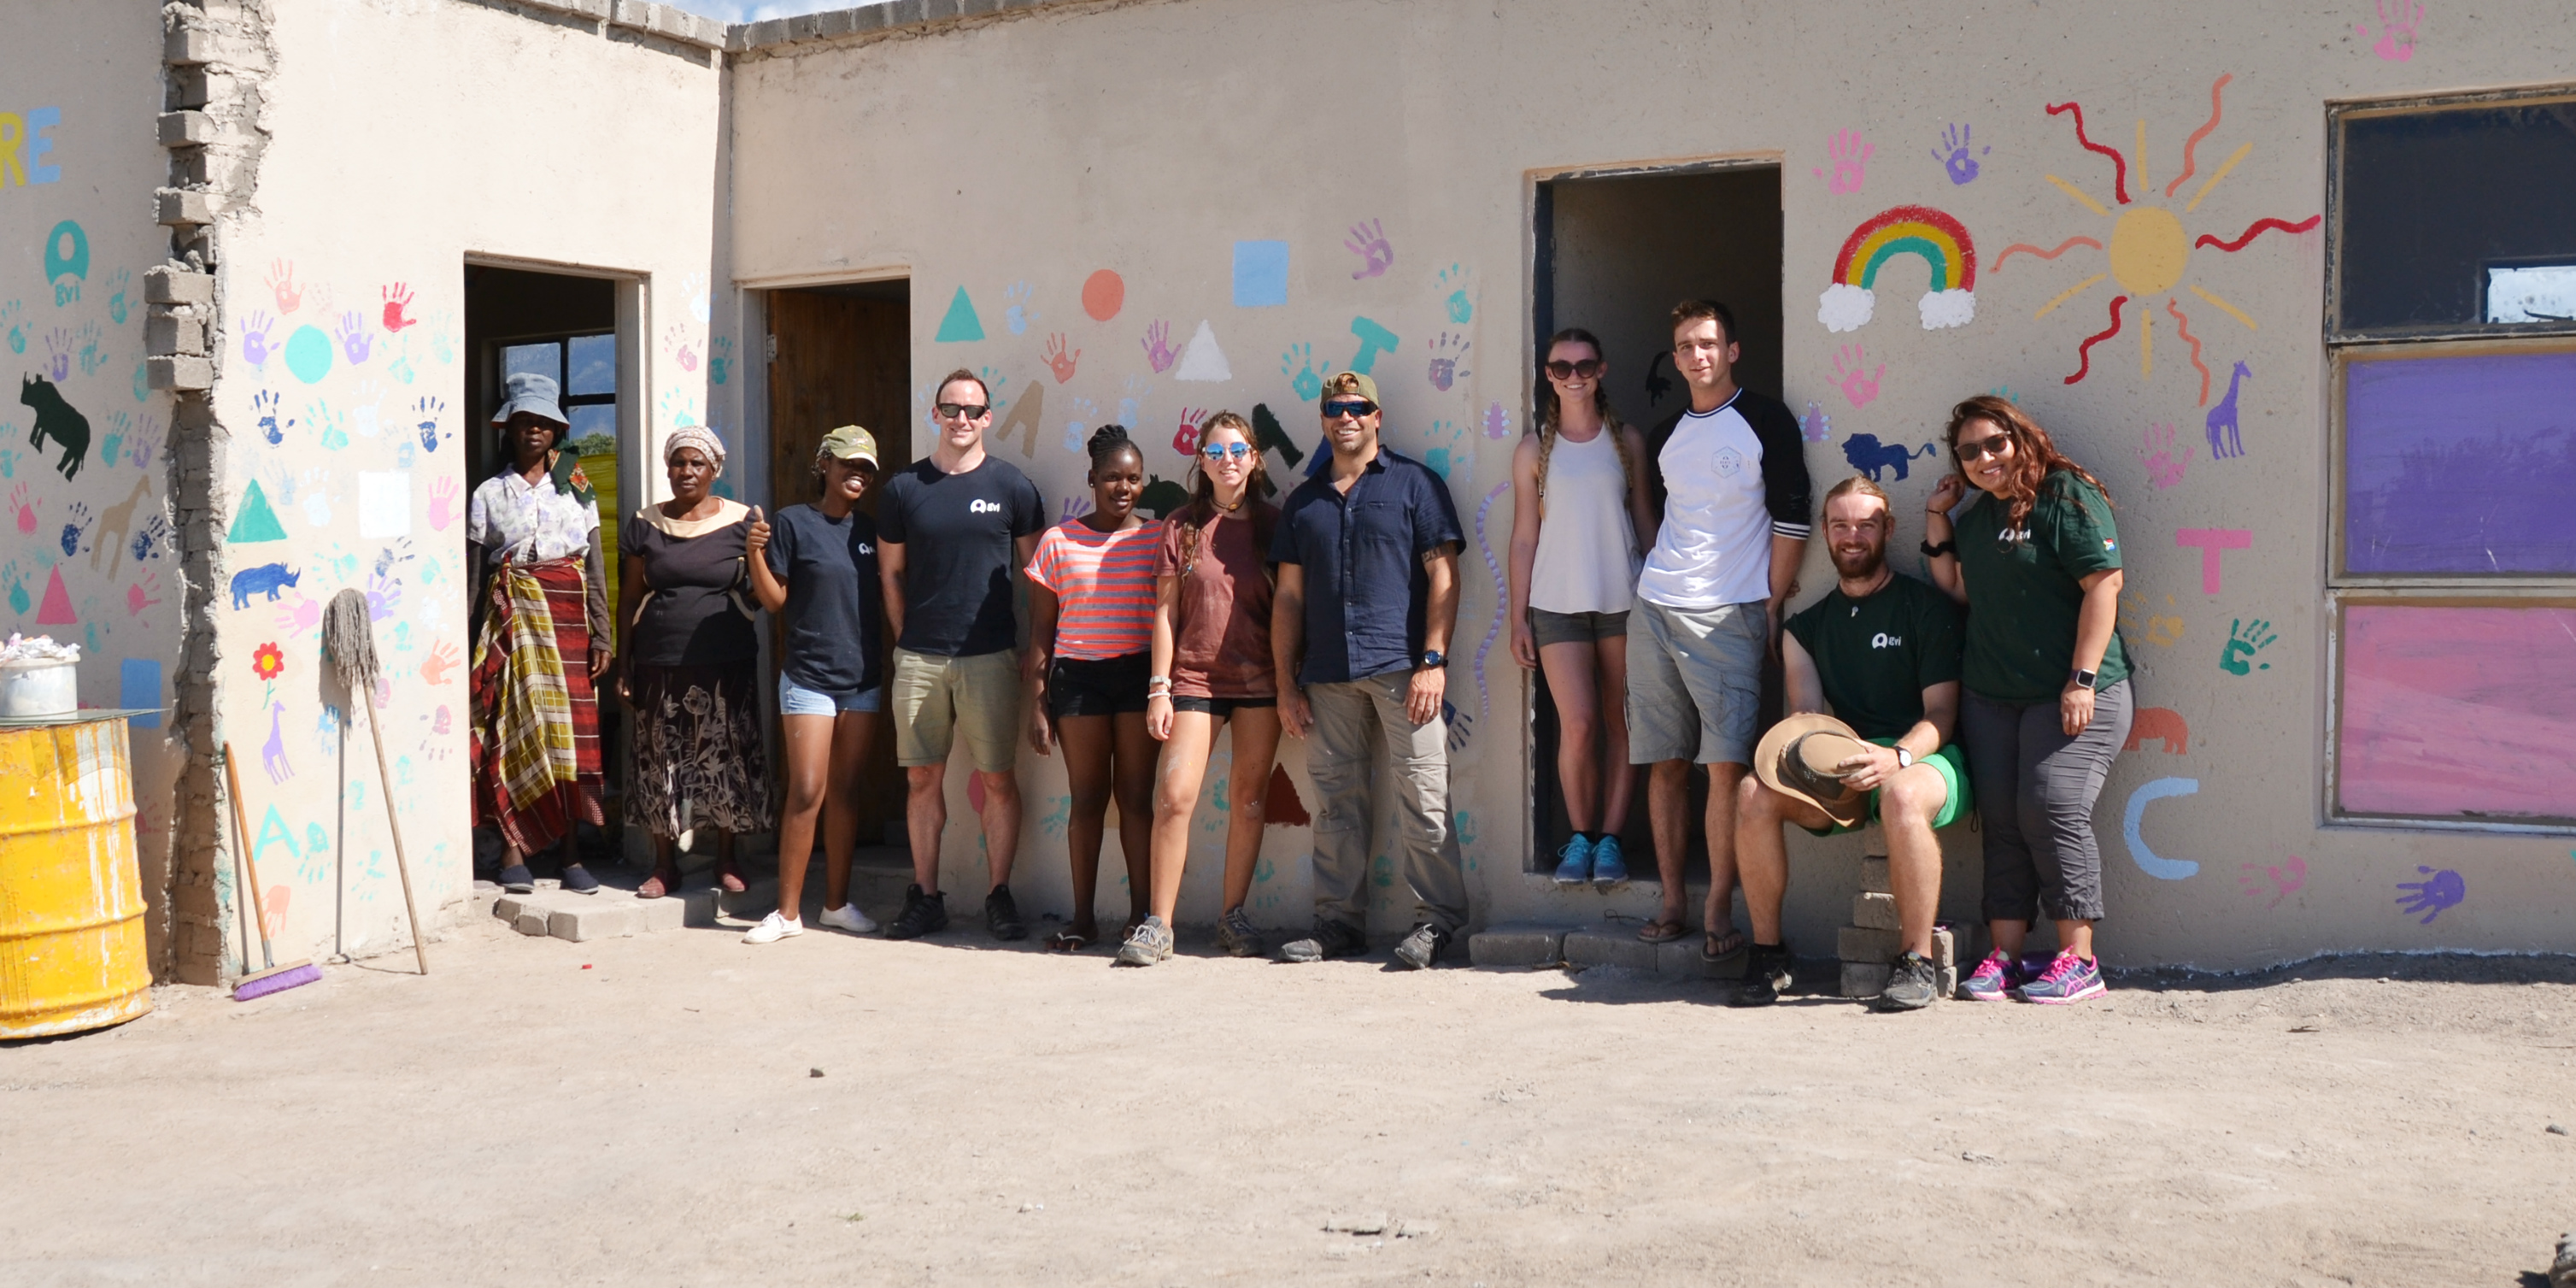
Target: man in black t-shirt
[1881,651]
[953,532]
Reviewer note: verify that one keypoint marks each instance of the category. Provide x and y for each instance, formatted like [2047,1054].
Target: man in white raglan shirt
[1733,503]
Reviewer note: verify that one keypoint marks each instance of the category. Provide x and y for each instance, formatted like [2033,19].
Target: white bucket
[35,689]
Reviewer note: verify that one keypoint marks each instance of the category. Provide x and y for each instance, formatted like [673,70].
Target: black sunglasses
[963,411]
[1584,370]
[1992,445]
[1352,407]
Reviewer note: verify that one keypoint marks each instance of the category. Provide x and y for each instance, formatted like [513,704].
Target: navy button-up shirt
[1366,588]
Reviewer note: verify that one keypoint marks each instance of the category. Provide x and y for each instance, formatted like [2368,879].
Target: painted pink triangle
[57,608]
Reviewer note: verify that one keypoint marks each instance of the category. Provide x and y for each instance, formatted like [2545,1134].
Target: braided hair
[1108,441]
[1548,414]
[1202,512]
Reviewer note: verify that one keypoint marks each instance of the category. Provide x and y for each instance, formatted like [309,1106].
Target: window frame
[562,340]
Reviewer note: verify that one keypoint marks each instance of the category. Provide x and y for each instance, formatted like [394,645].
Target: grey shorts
[1576,628]
[1695,682]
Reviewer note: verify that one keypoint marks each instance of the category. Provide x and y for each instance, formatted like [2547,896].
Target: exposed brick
[1862,944]
[165,285]
[186,129]
[1874,911]
[1864,979]
[182,206]
[1873,876]
[187,46]
[180,373]
[173,334]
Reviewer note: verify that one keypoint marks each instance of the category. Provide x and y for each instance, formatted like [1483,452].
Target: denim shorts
[796,700]
[1576,628]
[1221,708]
[1106,686]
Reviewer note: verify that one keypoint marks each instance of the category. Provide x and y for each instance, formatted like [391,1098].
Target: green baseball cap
[850,443]
[1367,388]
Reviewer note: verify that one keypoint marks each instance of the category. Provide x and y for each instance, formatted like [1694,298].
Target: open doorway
[842,355]
[566,327]
[1614,253]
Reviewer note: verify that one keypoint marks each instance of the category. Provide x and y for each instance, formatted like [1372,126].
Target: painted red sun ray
[2188,167]
[2183,324]
[2119,164]
[2260,227]
[2084,351]
[2062,247]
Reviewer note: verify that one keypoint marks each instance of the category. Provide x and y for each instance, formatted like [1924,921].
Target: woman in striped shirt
[1091,632]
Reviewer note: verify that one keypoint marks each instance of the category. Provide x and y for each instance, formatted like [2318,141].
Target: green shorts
[1950,763]
[937,699]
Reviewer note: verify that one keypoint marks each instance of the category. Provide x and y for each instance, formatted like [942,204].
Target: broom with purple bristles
[276,978]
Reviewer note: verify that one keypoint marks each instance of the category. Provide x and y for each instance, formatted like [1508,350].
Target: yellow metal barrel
[72,953]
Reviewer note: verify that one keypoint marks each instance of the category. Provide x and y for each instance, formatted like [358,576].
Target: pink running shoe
[1994,980]
[2069,979]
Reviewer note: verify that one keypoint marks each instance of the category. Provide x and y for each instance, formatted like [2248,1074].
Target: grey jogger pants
[1352,719]
[2035,791]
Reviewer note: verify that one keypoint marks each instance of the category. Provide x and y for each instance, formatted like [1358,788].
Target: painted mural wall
[406,138]
[85,529]
[2112,217]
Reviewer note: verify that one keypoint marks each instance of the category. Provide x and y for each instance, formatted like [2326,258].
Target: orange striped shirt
[1104,587]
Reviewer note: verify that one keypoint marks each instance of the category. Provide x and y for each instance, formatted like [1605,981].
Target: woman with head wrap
[532,546]
[691,666]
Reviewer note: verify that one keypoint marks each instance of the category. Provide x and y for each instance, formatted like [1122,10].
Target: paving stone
[1873,875]
[1517,944]
[1612,945]
[531,923]
[1874,911]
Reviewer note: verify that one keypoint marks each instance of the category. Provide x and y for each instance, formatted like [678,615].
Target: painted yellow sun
[2150,250]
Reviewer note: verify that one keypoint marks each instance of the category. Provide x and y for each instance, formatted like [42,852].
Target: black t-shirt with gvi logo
[1877,655]
[957,533]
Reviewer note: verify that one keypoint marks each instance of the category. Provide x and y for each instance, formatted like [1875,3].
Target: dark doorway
[842,355]
[1615,252]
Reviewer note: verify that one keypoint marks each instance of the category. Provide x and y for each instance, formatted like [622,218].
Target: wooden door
[842,360]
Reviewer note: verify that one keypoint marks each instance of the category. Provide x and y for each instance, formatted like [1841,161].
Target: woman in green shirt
[2036,559]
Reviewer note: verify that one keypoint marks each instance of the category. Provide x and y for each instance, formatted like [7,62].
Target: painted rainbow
[1941,240]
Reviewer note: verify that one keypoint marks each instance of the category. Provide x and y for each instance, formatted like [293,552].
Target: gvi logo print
[984,507]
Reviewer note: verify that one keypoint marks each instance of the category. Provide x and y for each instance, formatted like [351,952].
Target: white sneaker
[773,928]
[848,917]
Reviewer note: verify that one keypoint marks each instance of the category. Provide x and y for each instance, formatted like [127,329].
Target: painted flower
[268,662]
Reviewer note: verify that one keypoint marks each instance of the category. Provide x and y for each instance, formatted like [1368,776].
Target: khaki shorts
[936,698]
[1695,682]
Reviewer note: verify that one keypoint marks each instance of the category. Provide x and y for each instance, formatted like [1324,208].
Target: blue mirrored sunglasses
[1220,451]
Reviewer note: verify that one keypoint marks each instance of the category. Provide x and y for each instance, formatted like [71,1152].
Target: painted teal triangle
[255,521]
[961,322]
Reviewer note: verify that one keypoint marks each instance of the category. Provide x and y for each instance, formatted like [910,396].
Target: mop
[275,978]
[350,638]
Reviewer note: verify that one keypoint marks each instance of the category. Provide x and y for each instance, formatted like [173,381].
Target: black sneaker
[923,914]
[1331,939]
[1911,984]
[1766,975]
[1002,915]
[516,879]
[578,880]
[1423,946]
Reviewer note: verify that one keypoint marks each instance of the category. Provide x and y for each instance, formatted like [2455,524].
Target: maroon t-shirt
[1221,639]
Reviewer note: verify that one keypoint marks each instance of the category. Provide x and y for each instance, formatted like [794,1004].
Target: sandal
[1661,931]
[1065,941]
[662,882]
[1716,947]
[728,877]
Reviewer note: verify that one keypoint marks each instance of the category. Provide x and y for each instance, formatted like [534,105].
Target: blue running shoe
[2069,979]
[1609,867]
[1994,980]
[1574,865]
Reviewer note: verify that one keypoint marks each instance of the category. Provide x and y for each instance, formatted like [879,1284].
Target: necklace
[1229,509]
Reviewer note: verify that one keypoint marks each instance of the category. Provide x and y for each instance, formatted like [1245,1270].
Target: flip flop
[1065,941]
[1715,947]
[1660,931]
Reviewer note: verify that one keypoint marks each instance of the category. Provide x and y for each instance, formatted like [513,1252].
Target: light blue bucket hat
[532,393]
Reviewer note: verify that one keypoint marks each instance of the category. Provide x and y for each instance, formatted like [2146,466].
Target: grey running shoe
[1002,915]
[1423,947]
[1236,934]
[922,914]
[1766,975]
[1331,939]
[1911,985]
[1148,943]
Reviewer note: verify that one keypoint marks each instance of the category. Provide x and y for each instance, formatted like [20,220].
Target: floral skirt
[699,759]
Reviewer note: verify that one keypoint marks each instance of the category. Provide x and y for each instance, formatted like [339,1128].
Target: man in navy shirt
[1367,552]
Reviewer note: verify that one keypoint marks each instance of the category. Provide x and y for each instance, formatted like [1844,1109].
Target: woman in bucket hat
[532,547]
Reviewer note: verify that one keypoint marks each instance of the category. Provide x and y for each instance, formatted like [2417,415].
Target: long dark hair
[2034,457]
[1548,412]
[1202,510]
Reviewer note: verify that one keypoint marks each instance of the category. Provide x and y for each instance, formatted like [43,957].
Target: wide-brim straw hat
[1799,760]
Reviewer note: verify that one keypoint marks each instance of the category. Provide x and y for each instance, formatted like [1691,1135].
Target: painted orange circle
[1103,294]
[2148,250]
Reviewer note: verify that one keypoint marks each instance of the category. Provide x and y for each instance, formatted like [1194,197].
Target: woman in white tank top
[1578,506]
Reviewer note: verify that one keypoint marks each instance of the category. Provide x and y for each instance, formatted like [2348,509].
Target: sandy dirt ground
[683,1109]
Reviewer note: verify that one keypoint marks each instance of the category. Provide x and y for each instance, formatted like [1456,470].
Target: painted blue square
[138,684]
[1260,274]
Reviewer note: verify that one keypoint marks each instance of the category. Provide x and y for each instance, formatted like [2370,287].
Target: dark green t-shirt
[1878,654]
[2024,592]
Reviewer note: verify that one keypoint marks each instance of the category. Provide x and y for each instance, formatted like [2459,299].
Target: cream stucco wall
[1013,159]
[405,137]
[76,234]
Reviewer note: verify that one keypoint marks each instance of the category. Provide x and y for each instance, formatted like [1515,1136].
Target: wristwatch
[2084,678]
[1904,758]
[1433,659]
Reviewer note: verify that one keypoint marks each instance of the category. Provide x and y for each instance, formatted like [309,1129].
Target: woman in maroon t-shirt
[1211,666]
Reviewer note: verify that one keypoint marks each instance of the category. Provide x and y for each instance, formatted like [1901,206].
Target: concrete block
[1517,945]
[1949,978]
[194,86]
[1874,911]
[1862,944]
[531,923]
[166,285]
[871,18]
[904,13]
[1612,945]
[1863,979]
[1873,875]
[1680,959]
[767,31]
[187,374]
[171,335]
[187,46]
[1945,947]
[606,915]
[186,129]
[184,206]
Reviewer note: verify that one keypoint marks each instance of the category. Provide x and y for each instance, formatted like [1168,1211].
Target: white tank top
[1587,544]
